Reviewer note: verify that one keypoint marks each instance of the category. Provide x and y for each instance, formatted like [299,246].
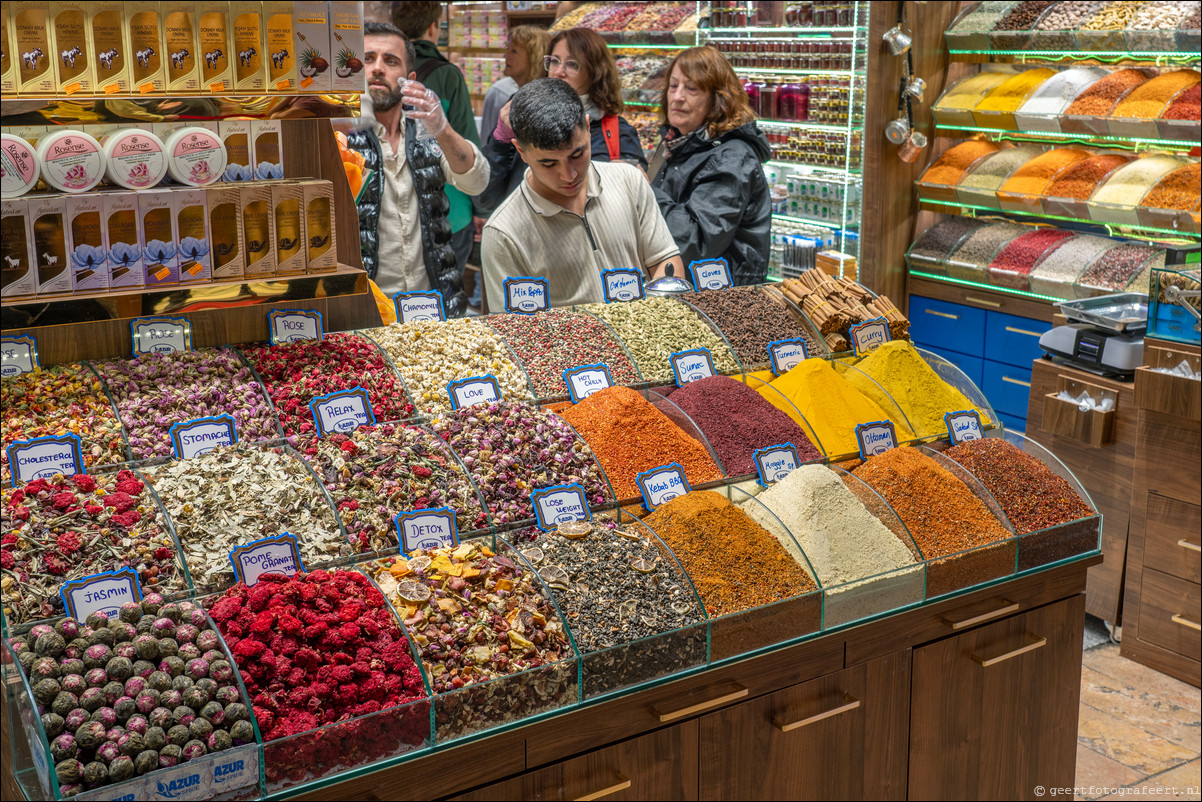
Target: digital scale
[1105,335]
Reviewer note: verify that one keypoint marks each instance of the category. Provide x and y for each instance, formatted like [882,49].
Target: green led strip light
[786,218]
[1086,55]
[992,287]
[954,207]
[831,170]
[1058,137]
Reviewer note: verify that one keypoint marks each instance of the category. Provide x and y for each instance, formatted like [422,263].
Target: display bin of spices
[633,613]
[930,250]
[752,317]
[1012,31]
[1173,203]
[996,109]
[1054,30]
[970,258]
[491,642]
[1042,109]
[954,107]
[1023,191]
[318,713]
[1124,266]
[1104,31]
[834,305]
[1189,33]
[938,181]
[1089,113]
[1068,192]
[1154,27]
[1135,115]
[1116,201]
[1056,274]
[970,30]
[979,185]
[1180,121]
[1012,266]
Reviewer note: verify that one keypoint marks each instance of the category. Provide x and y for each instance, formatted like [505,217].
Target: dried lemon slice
[555,576]
[534,555]
[412,592]
[419,563]
[682,607]
[643,566]
[574,530]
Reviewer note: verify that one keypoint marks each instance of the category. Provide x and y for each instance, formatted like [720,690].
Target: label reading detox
[689,366]
[559,504]
[661,485]
[161,335]
[526,296]
[426,529]
[710,274]
[270,555]
[19,355]
[963,426]
[290,325]
[419,305]
[784,355]
[343,411]
[101,593]
[585,380]
[875,437]
[774,463]
[202,435]
[870,335]
[43,457]
[473,390]
[622,284]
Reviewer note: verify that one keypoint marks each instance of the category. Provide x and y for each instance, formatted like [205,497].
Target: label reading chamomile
[473,390]
[870,335]
[661,485]
[710,274]
[426,529]
[343,411]
[101,593]
[963,426]
[202,435]
[525,295]
[689,366]
[622,284]
[18,355]
[419,305]
[784,355]
[161,335]
[270,555]
[875,437]
[43,457]
[774,463]
[558,505]
[584,380]
[290,325]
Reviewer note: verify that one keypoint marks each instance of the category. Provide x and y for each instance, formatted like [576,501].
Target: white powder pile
[1128,184]
[1055,94]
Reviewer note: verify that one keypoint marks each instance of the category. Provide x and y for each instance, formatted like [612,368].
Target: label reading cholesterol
[661,485]
[43,457]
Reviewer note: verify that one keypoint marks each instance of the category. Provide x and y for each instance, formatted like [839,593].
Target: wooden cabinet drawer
[1013,340]
[1169,614]
[1171,537]
[947,325]
[1007,387]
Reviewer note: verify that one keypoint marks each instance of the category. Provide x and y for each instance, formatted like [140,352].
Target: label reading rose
[526,296]
[291,325]
[661,485]
[19,355]
[412,307]
[161,335]
[270,555]
[343,411]
[559,504]
[426,529]
[622,284]
[875,437]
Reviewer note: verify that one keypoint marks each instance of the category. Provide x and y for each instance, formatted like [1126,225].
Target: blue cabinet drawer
[1007,387]
[1013,424]
[947,325]
[971,365]
[1013,340]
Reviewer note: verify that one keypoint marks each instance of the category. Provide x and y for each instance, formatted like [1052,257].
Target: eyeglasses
[570,67]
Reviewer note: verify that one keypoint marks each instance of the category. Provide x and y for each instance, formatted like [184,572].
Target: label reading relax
[43,457]
[787,354]
[661,485]
[18,355]
[202,435]
[473,390]
[585,380]
[774,463]
[343,411]
[101,593]
[161,335]
[270,555]
[870,335]
[290,325]
[526,296]
[558,505]
[963,426]
[689,366]
[710,274]
[426,529]
[875,437]
[419,305]
[622,284]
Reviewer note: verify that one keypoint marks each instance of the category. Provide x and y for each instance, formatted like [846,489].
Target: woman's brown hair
[597,63]
[709,69]
[534,41]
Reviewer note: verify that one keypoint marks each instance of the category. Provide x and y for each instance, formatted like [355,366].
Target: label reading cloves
[270,555]
[661,485]
[474,390]
[43,457]
[161,334]
[584,380]
[426,529]
[875,437]
[710,274]
[202,435]
[963,426]
[774,463]
[101,593]
[526,295]
[559,504]
[343,411]
[870,335]
[689,366]
[784,355]
[622,284]
[18,355]
[290,325]
[419,305]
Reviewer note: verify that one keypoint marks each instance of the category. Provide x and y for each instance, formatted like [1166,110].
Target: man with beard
[403,227]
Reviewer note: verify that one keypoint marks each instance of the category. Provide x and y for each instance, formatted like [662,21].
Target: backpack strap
[609,127]
[425,70]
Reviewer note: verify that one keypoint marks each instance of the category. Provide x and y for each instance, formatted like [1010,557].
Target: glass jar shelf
[1132,58]
[834,225]
[27,109]
[790,71]
[645,46]
[853,174]
[830,127]
[1060,138]
[792,34]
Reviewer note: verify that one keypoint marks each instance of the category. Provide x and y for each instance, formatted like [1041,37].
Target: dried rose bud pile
[296,373]
[121,697]
[65,528]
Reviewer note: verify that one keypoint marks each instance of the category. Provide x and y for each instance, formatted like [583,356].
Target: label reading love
[689,366]
[290,325]
[419,305]
[18,355]
[963,426]
[559,504]
[710,274]
[661,485]
[526,296]
[585,380]
[161,335]
[787,354]
[774,463]
[343,411]
[202,435]
[875,438]
[101,593]
[271,555]
[870,335]
[426,529]
[43,457]
[622,284]
[474,390]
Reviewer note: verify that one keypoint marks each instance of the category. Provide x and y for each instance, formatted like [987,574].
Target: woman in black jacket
[707,172]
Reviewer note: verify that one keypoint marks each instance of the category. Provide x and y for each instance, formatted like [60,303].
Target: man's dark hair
[546,113]
[387,29]
[415,16]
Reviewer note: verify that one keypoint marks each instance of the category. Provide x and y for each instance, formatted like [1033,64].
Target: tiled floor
[1139,732]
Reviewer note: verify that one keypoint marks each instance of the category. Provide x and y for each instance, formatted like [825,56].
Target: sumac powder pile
[750,318]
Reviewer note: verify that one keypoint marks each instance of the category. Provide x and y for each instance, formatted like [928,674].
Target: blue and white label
[426,529]
[343,411]
[559,505]
[291,325]
[161,335]
[963,426]
[870,335]
[710,274]
[661,485]
[784,355]
[419,305]
[270,555]
[525,295]
[474,390]
[622,284]
[875,437]
[236,768]
[101,593]
[18,355]
[202,435]
[43,457]
[689,366]
[585,380]
[774,463]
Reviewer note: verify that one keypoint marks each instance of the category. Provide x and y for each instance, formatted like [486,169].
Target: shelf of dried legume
[493,646]
[930,250]
[1056,274]
[752,317]
[1013,264]
[834,305]
[970,30]
[1012,30]
[631,610]
[970,257]
[330,673]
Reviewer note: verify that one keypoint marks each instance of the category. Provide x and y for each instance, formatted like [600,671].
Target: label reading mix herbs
[661,485]
[426,529]
[343,411]
[19,355]
[270,555]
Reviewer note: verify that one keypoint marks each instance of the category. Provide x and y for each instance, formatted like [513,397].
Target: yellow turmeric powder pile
[969,92]
[1012,93]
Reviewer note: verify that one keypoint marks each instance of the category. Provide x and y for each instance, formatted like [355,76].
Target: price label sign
[689,366]
[343,411]
[870,335]
[784,355]
[585,380]
[661,485]
[161,334]
[710,274]
[290,325]
[202,435]
[101,593]
[18,355]
[419,305]
[875,437]
[474,390]
[774,463]
[622,284]
[526,295]
[426,529]
[963,426]
[43,457]
[559,504]
[270,555]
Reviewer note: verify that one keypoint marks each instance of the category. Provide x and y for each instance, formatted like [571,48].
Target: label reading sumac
[270,555]
[202,435]
[290,325]
[585,380]
[161,335]
[343,411]
[559,504]
[622,284]
[18,355]
[784,355]
[870,335]
[710,274]
[774,463]
[661,485]
[875,437]
[689,366]
[963,426]
[419,305]
[473,390]
[525,295]
[426,529]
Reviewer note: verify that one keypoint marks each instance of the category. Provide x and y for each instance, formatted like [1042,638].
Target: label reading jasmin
[870,335]
[558,505]
[585,380]
[622,284]
[202,435]
[101,593]
[689,366]
[963,426]
[343,411]
[161,335]
[43,457]
[526,295]
[875,438]
[19,355]
[661,485]
[775,462]
[419,305]
[787,354]
[426,529]
[710,274]
[290,325]
[473,390]
[271,555]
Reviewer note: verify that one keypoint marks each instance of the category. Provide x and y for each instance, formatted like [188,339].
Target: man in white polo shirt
[569,219]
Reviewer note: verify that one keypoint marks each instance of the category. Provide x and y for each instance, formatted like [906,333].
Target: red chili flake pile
[1079,180]
[1186,106]
[1101,95]
[1015,261]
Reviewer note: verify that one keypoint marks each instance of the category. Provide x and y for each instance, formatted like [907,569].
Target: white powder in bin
[1127,185]
[1055,94]
[1058,272]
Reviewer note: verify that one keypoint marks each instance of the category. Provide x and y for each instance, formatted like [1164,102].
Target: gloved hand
[424,107]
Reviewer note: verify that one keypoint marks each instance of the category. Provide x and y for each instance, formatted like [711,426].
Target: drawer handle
[738,693]
[1016,381]
[850,704]
[982,302]
[1033,642]
[1011,607]
[941,314]
[1023,331]
[1185,544]
[621,785]
[1185,622]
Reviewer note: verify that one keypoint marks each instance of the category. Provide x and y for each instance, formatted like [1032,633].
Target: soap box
[214,46]
[146,48]
[346,47]
[47,217]
[246,28]
[8,61]
[121,224]
[191,213]
[318,197]
[71,40]
[311,31]
[258,236]
[30,26]
[110,47]
[225,232]
[18,278]
[182,57]
[268,153]
[89,251]
[160,245]
[287,199]
[235,135]
[280,58]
